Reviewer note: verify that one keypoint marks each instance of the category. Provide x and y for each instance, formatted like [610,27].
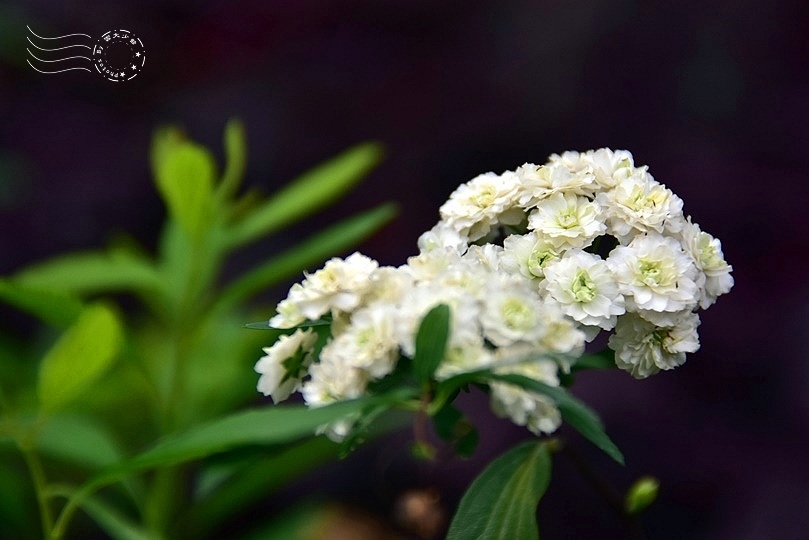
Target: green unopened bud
[642,493]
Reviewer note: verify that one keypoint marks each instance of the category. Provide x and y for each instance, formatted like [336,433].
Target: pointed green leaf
[185,180]
[79,357]
[235,142]
[574,412]
[308,193]
[78,439]
[267,426]
[308,253]
[431,342]
[165,140]
[90,272]
[502,502]
[53,307]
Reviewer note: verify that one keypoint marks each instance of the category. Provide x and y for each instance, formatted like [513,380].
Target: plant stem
[38,477]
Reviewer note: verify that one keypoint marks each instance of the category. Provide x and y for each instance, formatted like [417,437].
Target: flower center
[650,272]
[583,288]
[568,218]
[516,314]
[485,198]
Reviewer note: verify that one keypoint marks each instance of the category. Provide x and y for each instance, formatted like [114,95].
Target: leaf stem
[38,477]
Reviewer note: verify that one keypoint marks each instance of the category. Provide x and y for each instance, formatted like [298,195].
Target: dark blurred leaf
[79,357]
[78,439]
[431,343]
[185,180]
[451,425]
[308,253]
[235,142]
[55,308]
[253,480]
[310,192]
[91,272]
[502,501]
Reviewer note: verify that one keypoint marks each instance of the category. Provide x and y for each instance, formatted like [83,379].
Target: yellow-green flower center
[583,288]
[516,314]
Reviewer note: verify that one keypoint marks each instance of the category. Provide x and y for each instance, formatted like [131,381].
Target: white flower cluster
[517,258]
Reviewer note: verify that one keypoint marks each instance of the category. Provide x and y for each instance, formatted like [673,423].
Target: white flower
[276,380]
[464,357]
[535,411]
[443,236]
[339,286]
[333,380]
[707,253]
[639,204]
[476,206]
[566,220]
[511,311]
[540,182]
[585,289]
[464,326]
[368,342]
[643,349]
[528,254]
[609,167]
[288,312]
[656,277]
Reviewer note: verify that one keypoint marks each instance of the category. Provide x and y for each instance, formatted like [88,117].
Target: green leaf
[165,140]
[308,193]
[267,426]
[574,412]
[256,479]
[602,360]
[431,343]
[78,439]
[52,307]
[265,325]
[235,142]
[308,253]
[185,179]
[79,357]
[90,272]
[502,501]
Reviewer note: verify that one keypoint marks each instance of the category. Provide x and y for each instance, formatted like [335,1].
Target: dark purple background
[713,95]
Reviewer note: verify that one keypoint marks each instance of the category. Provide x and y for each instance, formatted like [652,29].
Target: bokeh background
[713,95]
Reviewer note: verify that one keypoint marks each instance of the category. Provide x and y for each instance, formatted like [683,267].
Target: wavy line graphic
[76,37]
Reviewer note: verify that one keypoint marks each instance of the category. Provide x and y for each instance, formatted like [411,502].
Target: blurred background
[712,95]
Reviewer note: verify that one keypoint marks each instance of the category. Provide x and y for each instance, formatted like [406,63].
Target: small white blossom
[537,412]
[476,206]
[639,204]
[656,277]
[567,220]
[528,254]
[609,167]
[583,286]
[540,182]
[512,312]
[275,380]
[643,349]
[442,236]
[707,254]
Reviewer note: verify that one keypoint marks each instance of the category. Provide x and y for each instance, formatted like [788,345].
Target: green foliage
[431,343]
[502,501]
[168,372]
[80,357]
